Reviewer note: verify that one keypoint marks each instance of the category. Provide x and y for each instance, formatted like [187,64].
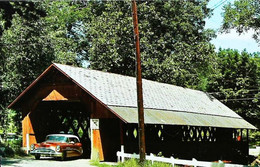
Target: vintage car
[58,145]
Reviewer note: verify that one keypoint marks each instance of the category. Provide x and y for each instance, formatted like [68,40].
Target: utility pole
[139,86]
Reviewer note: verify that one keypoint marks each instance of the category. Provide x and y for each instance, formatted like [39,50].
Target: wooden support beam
[96,143]
[97,150]
[28,129]
[70,92]
[142,148]
[122,131]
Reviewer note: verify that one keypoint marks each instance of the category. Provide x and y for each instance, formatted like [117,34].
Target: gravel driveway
[45,162]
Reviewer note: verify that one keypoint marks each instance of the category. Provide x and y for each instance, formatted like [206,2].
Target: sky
[229,40]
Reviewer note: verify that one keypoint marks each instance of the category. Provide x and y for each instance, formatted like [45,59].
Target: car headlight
[32,147]
[58,148]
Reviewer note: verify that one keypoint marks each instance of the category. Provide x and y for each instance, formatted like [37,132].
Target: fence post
[123,153]
[152,159]
[118,157]
[194,162]
[221,163]
[173,161]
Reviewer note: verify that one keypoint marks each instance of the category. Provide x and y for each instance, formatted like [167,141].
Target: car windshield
[56,138]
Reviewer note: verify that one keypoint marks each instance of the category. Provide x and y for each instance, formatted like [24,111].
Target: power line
[249,90]
[221,3]
[218,4]
[240,99]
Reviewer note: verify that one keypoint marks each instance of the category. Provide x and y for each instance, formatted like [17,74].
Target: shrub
[254,137]
[9,152]
[11,148]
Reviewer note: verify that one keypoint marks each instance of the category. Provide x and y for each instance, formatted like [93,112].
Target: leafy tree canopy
[28,46]
[236,83]
[243,15]
[175,46]
[26,10]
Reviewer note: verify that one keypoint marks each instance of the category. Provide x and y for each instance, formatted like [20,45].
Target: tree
[26,10]
[243,15]
[175,47]
[236,83]
[29,46]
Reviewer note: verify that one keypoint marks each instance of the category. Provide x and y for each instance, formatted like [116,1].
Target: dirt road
[45,162]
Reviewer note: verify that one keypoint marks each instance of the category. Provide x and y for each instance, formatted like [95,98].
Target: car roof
[66,135]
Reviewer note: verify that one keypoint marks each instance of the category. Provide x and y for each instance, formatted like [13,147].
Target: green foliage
[25,10]
[243,15]
[3,118]
[12,148]
[29,46]
[175,46]
[236,83]
[133,163]
[8,121]
[254,137]
[136,163]
[97,163]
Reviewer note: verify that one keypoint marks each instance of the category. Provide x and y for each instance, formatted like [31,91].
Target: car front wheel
[37,156]
[64,156]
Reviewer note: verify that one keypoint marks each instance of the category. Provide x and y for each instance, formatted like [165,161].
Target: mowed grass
[133,163]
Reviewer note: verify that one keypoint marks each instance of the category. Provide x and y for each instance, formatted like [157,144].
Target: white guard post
[27,143]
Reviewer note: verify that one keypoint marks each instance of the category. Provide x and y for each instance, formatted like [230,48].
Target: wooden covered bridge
[101,109]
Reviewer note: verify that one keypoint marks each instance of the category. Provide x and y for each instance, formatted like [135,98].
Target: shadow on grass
[14,160]
[9,161]
[58,159]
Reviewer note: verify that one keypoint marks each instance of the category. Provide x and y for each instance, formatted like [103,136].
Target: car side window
[70,140]
[75,140]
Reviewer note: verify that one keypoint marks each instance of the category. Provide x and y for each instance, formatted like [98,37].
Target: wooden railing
[122,156]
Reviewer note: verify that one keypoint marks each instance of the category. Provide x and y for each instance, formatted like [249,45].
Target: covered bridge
[101,108]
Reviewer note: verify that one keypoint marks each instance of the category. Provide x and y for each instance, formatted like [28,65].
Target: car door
[78,146]
[74,147]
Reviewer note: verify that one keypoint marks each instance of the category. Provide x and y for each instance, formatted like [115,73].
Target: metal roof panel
[119,90]
[190,106]
[153,116]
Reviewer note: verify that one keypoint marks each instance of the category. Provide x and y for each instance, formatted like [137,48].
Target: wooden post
[96,144]
[139,86]
[28,133]
[122,133]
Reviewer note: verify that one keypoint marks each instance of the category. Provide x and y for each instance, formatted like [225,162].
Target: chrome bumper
[46,152]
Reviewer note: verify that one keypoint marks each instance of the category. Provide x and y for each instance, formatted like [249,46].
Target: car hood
[49,144]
